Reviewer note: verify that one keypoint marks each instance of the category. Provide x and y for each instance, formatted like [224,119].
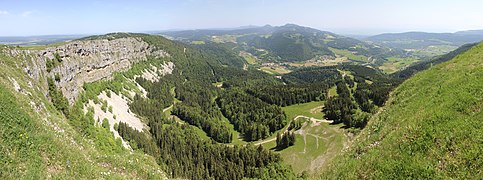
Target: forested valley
[248,99]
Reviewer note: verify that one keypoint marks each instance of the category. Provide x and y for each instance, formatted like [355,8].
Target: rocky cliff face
[86,61]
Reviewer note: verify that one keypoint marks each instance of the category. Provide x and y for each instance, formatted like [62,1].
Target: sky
[356,17]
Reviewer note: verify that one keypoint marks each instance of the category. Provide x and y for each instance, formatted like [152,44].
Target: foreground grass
[430,128]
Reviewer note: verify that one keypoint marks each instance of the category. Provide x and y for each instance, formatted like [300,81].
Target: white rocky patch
[167,68]
[120,109]
[153,74]
[16,86]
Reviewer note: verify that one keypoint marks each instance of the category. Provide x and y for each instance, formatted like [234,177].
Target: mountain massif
[290,43]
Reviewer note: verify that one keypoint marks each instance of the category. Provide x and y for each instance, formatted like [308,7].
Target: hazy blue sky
[28,17]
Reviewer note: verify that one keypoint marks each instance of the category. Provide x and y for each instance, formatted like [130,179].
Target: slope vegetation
[37,141]
[430,128]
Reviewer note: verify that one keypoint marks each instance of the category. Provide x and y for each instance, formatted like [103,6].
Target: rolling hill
[430,128]
[427,44]
[290,43]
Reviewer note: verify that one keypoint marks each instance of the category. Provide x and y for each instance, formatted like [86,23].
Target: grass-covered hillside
[38,142]
[430,128]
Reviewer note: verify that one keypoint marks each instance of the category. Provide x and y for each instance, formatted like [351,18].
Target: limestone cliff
[85,61]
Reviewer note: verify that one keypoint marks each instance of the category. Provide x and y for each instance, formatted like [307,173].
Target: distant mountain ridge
[289,43]
[415,40]
[37,40]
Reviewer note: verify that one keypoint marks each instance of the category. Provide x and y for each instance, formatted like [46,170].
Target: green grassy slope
[430,128]
[38,142]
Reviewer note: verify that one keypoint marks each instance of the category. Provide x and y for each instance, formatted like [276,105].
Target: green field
[311,109]
[315,144]
[436,50]
[198,42]
[249,57]
[349,54]
[332,91]
[394,64]
[305,109]
[322,143]
[277,70]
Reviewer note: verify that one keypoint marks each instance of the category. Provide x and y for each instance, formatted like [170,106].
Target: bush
[57,98]
[104,106]
[105,123]
[49,64]
[57,77]
[57,57]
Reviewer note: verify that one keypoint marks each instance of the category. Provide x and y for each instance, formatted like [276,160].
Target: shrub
[57,77]
[105,123]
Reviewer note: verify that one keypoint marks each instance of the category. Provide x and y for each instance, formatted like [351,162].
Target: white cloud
[3,12]
[26,13]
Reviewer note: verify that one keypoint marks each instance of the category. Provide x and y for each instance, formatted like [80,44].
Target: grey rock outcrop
[86,61]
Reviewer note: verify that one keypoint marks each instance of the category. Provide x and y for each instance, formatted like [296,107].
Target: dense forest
[251,116]
[358,96]
[212,123]
[183,153]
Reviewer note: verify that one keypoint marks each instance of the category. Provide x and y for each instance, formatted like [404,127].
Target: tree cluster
[251,116]
[187,156]
[57,97]
[137,139]
[340,108]
[286,95]
[212,124]
[285,140]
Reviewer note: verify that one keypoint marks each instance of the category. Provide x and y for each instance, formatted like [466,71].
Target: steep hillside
[420,66]
[38,141]
[430,128]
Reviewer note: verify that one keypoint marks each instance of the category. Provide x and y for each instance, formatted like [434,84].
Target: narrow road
[165,109]
[313,119]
